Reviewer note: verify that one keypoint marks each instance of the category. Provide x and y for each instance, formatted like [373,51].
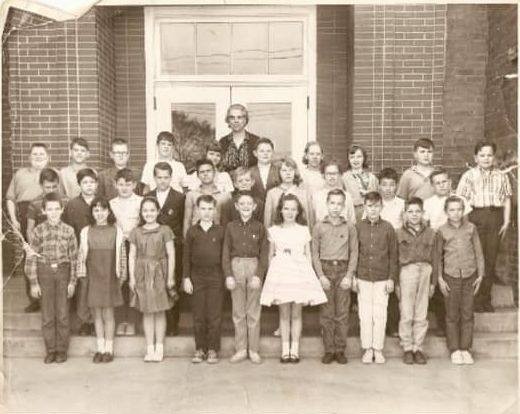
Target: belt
[335,262]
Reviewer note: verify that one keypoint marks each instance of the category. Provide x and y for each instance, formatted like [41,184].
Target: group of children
[279,238]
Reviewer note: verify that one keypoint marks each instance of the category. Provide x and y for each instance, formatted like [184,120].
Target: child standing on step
[102,260]
[151,268]
[290,282]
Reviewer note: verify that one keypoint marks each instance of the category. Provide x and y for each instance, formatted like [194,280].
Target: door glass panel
[193,125]
[272,120]
[249,48]
[213,46]
[285,48]
[177,48]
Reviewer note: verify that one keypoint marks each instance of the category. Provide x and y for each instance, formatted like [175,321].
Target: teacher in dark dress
[238,146]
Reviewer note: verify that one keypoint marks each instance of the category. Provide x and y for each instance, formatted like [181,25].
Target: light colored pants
[246,304]
[414,282]
[372,304]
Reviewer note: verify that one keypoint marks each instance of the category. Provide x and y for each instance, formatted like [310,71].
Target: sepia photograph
[259,207]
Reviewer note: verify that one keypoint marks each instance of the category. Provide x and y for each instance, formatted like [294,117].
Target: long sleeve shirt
[461,251]
[56,244]
[377,258]
[245,239]
[334,242]
[202,249]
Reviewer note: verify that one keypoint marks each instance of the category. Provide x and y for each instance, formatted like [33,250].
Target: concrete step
[26,343]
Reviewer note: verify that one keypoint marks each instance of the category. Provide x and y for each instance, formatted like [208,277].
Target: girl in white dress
[290,282]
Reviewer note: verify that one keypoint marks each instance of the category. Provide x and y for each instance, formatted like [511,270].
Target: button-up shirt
[203,249]
[377,258]
[461,250]
[414,184]
[484,188]
[320,210]
[334,242]
[245,239]
[56,244]
[420,246]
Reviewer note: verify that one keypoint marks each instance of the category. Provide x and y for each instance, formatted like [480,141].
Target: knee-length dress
[290,277]
[151,268]
[103,285]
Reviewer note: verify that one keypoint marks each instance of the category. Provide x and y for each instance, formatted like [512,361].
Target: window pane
[177,48]
[213,45]
[285,48]
[249,48]
[194,125]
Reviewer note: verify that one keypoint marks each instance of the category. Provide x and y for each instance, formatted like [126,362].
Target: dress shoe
[327,358]
[294,359]
[408,358]
[285,359]
[98,358]
[341,358]
[108,357]
[50,358]
[419,358]
[61,357]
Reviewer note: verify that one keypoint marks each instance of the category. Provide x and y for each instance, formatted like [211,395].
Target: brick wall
[398,79]
[335,57]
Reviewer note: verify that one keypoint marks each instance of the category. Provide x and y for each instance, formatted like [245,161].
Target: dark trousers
[438,307]
[125,313]
[488,222]
[392,321]
[55,306]
[173,314]
[459,312]
[206,307]
[80,299]
[21,212]
[334,315]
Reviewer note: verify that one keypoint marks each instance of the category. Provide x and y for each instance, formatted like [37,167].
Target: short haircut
[414,201]
[118,141]
[373,196]
[203,161]
[329,163]
[336,192]
[423,143]
[163,166]
[127,174]
[101,202]
[206,198]
[147,199]
[39,145]
[309,144]
[165,136]
[241,193]
[214,146]
[439,171]
[264,140]
[51,197]
[352,150]
[79,141]
[481,144]
[291,164]
[237,106]
[278,218]
[86,172]
[239,172]
[453,199]
[49,175]
[389,174]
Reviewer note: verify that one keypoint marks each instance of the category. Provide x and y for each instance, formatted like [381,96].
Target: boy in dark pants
[52,273]
[203,279]
[459,276]
[334,256]
[171,215]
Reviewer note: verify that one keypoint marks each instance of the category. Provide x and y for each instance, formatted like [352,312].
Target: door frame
[153,15]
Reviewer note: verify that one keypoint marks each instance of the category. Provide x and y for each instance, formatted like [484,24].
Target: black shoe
[327,358]
[32,307]
[408,358]
[98,358]
[294,359]
[285,359]
[85,329]
[61,357]
[50,358]
[340,358]
[419,358]
[107,357]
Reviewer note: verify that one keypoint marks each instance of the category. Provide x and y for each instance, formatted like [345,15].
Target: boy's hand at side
[503,230]
[36,291]
[443,286]
[476,284]
[346,283]
[230,283]
[187,285]
[397,290]
[131,284]
[70,290]
[325,283]
[432,291]
[170,283]
[255,283]
[389,288]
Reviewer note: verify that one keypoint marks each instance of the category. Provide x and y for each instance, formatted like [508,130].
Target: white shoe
[158,355]
[255,357]
[368,356]
[457,358]
[379,358]
[239,356]
[277,332]
[149,357]
[467,358]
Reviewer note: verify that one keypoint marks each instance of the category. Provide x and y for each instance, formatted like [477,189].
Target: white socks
[295,348]
[101,345]
[285,348]
[109,346]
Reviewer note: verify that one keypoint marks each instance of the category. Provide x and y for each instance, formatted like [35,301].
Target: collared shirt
[126,211]
[419,247]
[203,249]
[191,212]
[25,185]
[484,188]
[392,212]
[245,239]
[273,197]
[414,184]
[56,244]
[161,196]
[35,213]
[378,256]
[320,209]
[434,210]
[69,180]
[77,214]
[107,182]
[228,212]
[354,183]
[334,242]
[178,174]
[461,250]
